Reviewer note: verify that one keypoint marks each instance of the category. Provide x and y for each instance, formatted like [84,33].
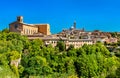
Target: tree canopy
[23,58]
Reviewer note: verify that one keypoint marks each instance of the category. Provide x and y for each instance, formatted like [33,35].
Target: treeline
[40,61]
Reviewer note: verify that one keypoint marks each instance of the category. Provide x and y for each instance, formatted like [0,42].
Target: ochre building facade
[77,43]
[29,29]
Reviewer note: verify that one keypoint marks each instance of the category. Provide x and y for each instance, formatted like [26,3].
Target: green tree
[70,47]
[6,30]
[61,45]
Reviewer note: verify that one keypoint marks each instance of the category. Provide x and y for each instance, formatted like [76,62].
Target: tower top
[20,19]
[74,24]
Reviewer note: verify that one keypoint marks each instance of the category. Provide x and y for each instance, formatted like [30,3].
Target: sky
[91,15]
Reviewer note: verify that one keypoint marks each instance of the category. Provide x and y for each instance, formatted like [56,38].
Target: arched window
[23,31]
[27,31]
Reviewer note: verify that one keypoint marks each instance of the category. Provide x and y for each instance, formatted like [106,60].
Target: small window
[16,26]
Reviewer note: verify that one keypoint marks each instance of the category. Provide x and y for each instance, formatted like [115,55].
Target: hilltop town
[71,36]
[32,51]
[60,39]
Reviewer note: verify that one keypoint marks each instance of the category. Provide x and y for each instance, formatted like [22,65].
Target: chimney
[20,19]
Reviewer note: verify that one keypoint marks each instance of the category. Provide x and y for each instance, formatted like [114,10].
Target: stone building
[29,29]
[77,43]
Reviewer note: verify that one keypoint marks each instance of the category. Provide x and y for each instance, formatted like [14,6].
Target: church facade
[29,29]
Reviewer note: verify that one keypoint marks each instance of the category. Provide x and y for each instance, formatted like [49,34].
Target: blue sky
[60,14]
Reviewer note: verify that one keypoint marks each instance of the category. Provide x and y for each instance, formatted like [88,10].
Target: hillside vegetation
[40,61]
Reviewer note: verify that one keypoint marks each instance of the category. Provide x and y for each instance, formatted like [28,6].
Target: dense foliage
[23,58]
